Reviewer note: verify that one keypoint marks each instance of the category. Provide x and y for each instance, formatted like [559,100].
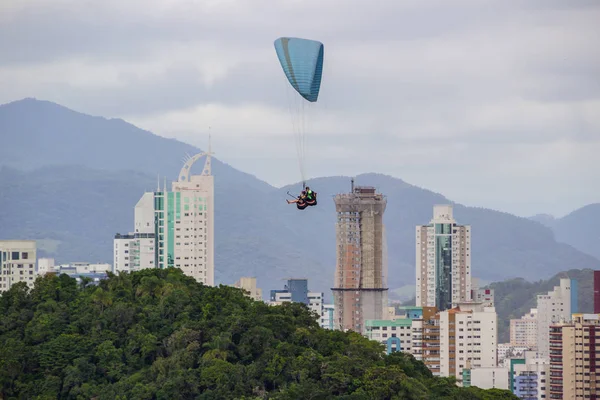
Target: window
[24,255]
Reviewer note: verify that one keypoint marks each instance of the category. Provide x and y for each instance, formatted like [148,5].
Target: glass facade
[443,266]
[159,215]
[171,229]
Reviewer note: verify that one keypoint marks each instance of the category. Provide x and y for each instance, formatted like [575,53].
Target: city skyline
[424,81]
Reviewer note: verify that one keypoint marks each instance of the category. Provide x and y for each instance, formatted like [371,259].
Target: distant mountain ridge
[579,228]
[72,180]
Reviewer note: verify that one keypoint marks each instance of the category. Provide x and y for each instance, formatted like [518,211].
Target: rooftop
[388,322]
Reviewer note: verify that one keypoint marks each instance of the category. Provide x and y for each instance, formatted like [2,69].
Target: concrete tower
[360,291]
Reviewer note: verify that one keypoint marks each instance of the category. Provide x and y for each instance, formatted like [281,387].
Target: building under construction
[360,291]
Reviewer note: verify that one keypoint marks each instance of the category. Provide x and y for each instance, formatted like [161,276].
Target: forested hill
[157,334]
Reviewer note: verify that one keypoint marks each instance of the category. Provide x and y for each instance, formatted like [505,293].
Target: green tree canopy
[158,334]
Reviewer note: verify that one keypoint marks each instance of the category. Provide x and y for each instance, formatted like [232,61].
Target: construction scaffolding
[360,288]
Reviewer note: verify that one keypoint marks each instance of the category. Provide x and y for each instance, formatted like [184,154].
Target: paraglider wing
[302,62]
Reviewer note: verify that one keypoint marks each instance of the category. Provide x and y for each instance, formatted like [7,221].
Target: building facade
[296,290]
[553,307]
[249,284]
[481,295]
[573,358]
[360,281]
[529,376]
[180,222]
[468,339]
[45,265]
[17,263]
[394,334]
[486,378]
[327,317]
[524,331]
[596,292]
[443,261]
[133,252]
[425,339]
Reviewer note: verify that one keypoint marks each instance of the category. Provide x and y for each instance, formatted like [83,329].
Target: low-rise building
[395,334]
[296,290]
[529,376]
[45,265]
[327,317]
[486,378]
[134,252]
[249,284]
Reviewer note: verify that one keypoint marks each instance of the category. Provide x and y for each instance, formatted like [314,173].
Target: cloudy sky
[493,103]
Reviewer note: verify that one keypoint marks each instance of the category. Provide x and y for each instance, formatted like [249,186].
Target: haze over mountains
[579,228]
[72,180]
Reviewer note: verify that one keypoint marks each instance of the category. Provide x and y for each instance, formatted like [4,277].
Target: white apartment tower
[180,222]
[552,308]
[443,261]
[17,263]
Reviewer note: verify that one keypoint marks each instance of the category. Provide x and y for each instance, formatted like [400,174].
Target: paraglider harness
[310,199]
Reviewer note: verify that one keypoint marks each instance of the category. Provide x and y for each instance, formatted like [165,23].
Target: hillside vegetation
[515,297]
[157,334]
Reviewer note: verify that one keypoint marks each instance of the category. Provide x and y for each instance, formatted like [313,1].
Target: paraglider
[302,63]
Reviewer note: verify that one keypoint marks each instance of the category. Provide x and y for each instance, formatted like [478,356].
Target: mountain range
[71,181]
[578,228]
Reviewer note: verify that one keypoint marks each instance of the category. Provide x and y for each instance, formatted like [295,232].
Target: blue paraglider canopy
[302,62]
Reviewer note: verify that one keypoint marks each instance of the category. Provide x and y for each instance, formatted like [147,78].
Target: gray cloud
[447,95]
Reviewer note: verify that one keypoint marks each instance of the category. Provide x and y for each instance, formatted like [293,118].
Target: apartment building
[524,330]
[574,360]
[17,263]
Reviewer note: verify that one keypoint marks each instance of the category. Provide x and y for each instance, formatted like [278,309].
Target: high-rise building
[182,223]
[249,284]
[553,307]
[597,292]
[360,282]
[573,358]
[468,339]
[425,338]
[524,331]
[443,261]
[17,263]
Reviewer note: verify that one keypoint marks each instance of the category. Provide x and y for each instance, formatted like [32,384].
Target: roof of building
[388,322]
